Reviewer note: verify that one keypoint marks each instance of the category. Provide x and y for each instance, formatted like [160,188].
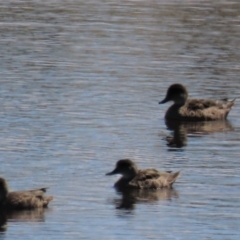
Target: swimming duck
[21,200]
[141,179]
[194,109]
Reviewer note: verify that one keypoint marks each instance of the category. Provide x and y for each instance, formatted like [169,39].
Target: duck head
[176,93]
[126,168]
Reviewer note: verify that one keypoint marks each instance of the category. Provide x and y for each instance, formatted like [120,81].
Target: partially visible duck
[134,178]
[21,200]
[194,109]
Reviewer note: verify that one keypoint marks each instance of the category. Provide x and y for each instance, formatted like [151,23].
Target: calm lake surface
[80,86]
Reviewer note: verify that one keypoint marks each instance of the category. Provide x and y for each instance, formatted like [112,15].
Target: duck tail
[231,103]
[173,177]
[47,200]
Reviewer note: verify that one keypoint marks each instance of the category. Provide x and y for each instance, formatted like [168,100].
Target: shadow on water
[131,197]
[6,216]
[181,130]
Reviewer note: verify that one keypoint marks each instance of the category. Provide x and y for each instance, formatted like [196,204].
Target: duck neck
[130,174]
[180,99]
[180,102]
[3,194]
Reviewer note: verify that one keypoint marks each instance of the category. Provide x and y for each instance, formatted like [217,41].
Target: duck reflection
[130,197]
[178,139]
[3,222]
[36,215]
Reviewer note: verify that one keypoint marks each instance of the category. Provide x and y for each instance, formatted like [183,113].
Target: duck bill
[164,101]
[113,172]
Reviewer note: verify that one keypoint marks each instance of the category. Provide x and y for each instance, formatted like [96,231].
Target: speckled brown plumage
[20,200]
[143,178]
[194,109]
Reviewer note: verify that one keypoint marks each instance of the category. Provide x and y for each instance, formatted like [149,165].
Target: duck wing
[202,104]
[147,174]
[28,199]
[153,179]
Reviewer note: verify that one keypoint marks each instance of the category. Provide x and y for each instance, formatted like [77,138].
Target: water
[80,86]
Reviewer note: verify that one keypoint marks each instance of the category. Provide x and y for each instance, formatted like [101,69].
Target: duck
[22,200]
[134,178]
[194,109]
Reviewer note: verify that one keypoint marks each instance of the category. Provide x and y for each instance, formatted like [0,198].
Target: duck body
[21,200]
[132,178]
[194,109]
[199,110]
